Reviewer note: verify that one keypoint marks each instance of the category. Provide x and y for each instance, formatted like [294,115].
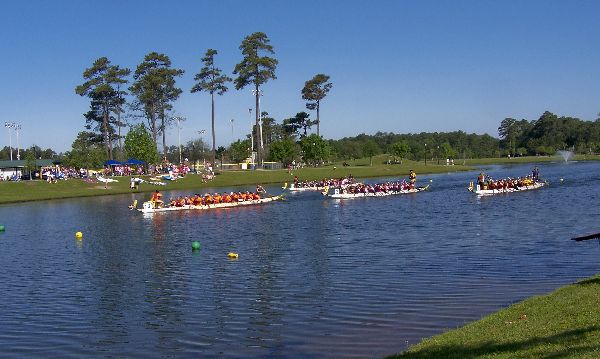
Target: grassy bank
[11,192]
[524,160]
[562,324]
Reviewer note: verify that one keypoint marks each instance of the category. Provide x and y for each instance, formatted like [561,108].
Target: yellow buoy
[79,235]
[232,255]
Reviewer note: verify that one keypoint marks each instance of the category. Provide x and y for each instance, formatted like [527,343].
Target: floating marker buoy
[79,235]
[562,179]
[195,245]
[232,255]
[1,228]
[430,180]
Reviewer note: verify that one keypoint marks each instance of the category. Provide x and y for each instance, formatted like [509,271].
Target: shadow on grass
[595,280]
[568,340]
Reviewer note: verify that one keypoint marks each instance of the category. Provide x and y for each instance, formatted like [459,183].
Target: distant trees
[102,87]
[370,149]
[211,80]
[86,151]
[140,145]
[284,151]
[314,91]
[255,70]
[399,149]
[548,134]
[239,150]
[301,121]
[155,91]
[314,149]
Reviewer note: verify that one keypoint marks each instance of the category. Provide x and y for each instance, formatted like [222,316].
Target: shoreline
[562,323]
[39,190]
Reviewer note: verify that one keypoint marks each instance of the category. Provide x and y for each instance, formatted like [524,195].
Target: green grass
[562,324]
[524,160]
[11,192]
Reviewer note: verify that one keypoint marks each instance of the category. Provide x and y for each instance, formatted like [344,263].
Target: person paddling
[156,199]
[412,177]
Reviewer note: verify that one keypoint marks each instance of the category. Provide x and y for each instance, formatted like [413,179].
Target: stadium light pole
[9,125]
[202,132]
[179,119]
[260,134]
[251,133]
[17,130]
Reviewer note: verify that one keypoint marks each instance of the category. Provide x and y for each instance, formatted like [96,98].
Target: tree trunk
[164,133]
[105,133]
[152,119]
[257,114]
[119,126]
[212,102]
[318,121]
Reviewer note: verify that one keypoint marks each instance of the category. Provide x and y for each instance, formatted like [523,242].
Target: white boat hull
[148,207]
[491,192]
[338,195]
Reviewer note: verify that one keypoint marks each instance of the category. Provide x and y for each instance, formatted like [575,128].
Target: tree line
[290,140]
[147,99]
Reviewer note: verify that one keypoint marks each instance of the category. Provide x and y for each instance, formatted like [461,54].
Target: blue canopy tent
[133,161]
[112,163]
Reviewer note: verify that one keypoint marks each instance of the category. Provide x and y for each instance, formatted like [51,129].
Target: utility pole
[9,125]
[17,130]
[251,136]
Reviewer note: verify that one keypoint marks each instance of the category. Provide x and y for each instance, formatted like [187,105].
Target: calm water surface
[316,278]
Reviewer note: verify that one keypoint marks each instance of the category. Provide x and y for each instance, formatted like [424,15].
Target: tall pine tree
[211,80]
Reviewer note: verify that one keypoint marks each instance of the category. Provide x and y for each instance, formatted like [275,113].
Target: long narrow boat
[337,194]
[490,192]
[293,188]
[148,207]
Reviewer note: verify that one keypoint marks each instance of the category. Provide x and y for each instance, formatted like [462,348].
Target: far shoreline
[38,190]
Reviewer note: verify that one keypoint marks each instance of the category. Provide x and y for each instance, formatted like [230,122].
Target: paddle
[584,238]
[261,189]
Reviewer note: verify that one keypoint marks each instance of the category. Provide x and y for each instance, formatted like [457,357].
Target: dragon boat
[338,194]
[293,188]
[150,206]
[476,189]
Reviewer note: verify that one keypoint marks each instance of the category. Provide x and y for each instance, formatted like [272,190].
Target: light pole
[251,135]
[17,130]
[201,132]
[179,119]
[260,134]
[437,155]
[232,129]
[425,154]
[9,125]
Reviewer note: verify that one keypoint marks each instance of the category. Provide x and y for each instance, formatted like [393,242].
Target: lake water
[315,278]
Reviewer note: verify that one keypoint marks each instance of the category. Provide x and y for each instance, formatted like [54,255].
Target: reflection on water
[315,277]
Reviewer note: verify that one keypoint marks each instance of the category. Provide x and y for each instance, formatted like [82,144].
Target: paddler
[412,177]
[481,180]
[156,199]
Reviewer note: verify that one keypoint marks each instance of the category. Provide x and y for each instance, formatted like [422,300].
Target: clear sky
[399,66]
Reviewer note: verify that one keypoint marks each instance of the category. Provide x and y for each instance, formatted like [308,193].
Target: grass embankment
[11,192]
[562,324]
[524,160]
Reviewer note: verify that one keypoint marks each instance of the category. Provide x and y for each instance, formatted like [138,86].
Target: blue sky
[399,66]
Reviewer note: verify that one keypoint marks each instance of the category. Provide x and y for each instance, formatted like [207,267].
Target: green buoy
[195,245]
[1,228]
